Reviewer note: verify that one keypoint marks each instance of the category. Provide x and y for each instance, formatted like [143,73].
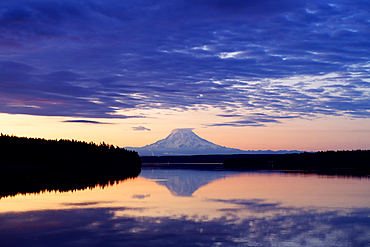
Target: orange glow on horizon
[330,133]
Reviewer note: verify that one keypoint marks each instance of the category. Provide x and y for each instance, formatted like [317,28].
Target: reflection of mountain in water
[183,182]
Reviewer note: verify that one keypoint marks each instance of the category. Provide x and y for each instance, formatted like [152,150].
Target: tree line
[355,162]
[34,164]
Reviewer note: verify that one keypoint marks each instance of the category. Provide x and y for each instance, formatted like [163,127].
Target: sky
[246,74]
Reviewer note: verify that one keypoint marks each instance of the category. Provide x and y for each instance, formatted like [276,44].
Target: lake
[164,207]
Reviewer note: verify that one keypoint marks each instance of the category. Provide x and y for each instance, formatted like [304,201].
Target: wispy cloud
[255,120]
[140,128]
[84,121]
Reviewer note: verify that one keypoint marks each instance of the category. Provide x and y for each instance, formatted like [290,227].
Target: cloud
[140,128]
[84,121]
[93,59]
[254,120]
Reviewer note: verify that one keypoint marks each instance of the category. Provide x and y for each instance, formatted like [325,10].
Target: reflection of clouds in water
[255,205]
[145,214]
[140,196]
[82,204]
[184,182]
[96,227]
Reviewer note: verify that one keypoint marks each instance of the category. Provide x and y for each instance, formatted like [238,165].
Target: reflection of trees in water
[37,184]
[183,182]
[31,165]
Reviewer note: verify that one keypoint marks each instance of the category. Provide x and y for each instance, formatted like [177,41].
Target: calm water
[195,208]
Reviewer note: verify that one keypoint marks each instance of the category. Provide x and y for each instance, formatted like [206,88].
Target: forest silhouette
[355,162]
[31,165]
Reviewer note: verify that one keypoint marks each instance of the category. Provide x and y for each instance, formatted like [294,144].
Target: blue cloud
[92,58]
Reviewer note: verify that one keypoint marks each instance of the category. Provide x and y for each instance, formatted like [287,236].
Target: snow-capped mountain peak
[183,142]
[183,139]
[186,142]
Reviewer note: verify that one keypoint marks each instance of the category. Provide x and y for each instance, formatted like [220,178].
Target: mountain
[183,142]
[186,142]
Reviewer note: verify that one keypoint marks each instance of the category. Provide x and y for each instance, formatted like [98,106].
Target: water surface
[195,208]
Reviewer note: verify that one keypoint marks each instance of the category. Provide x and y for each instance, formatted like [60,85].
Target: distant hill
[186,142]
